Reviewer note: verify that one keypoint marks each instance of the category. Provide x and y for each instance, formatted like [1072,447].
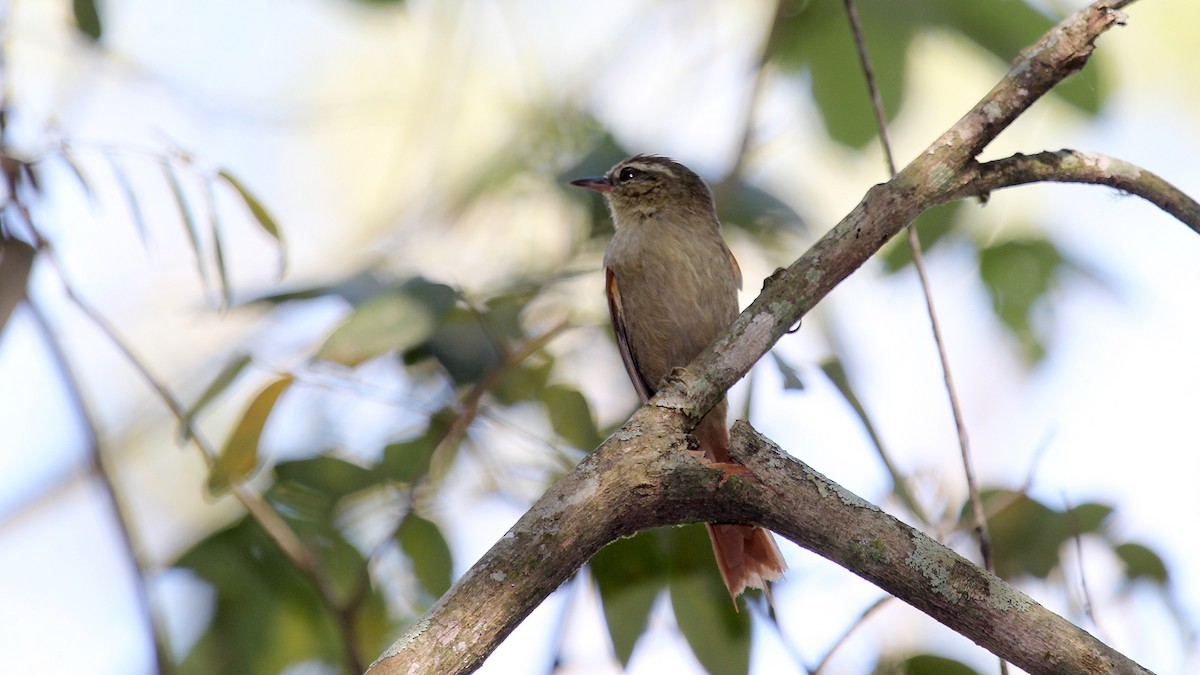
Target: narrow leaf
[210,199]
[239,457]
[131,199]
[791,380]
[261,216]
[189,222]
[77,172]
[836,372]
[425,546]
[220,383]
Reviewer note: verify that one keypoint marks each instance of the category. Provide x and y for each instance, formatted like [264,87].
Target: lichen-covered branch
[1073,166]
[643,477]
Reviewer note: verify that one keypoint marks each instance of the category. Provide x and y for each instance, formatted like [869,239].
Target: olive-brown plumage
[672,288]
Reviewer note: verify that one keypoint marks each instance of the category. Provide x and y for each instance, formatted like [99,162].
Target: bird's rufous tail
[747,556]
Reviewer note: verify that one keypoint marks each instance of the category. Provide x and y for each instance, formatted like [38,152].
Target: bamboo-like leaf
[261,216]
[239,456]
[77,172]
[131,199]
[220,383]
[791,379]
[189,222]
[210,198]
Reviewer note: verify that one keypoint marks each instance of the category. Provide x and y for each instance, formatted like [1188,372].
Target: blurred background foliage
[394,335]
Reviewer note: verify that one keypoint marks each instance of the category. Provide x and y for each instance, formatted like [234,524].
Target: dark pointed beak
[597,183]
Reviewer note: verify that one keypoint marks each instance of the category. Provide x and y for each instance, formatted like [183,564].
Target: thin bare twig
[862,619]
[468,406]
[914,245]
[100,469]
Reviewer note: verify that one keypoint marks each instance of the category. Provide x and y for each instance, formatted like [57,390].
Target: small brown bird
[672,286]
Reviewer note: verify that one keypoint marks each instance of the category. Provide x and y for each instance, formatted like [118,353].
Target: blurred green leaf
[390,321]
[131,199]
[189,221]
[261,216]
[81,178]
[214,223]
[462,344]
[791,379]
[1017,274]
[220,383]
[924,664]
[523,382]
[331,476]
[1028,536]
[239,456]
[932,227]
[87,18]
[423,543]
[753,209]
[266,617]
[815,38]
[407,461]
[571,416]
[718,635]
[604,154]
[630,574]
[1142,563]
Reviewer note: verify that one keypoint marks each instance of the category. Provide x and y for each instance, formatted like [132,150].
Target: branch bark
[641,477]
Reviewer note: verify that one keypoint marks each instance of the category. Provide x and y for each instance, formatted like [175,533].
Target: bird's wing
[737,270]
[644,390]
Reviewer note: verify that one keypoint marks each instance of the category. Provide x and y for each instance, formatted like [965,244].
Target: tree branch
[1073,166]
[641,478]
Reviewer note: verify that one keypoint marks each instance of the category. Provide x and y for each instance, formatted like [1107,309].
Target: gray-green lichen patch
[1002,596]
[935,563]
[403,642]
[756,340]
[870,552]
[825,486]
[626,435]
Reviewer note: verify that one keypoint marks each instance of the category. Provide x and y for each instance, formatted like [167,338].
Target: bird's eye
[627,174]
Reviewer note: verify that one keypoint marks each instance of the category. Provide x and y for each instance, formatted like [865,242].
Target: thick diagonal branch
[642,477]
